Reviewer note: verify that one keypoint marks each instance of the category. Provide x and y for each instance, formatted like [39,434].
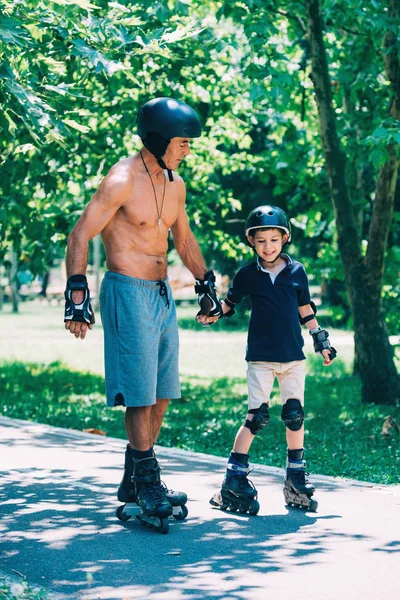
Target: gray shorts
[141,344]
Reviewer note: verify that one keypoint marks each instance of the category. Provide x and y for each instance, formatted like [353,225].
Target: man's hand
[78,329]
[79,315]
[205,320]
[210,306]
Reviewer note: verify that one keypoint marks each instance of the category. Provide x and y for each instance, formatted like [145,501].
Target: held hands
[210,306]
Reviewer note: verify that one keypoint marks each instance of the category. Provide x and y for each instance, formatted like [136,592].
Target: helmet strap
[157,145]
[164,166]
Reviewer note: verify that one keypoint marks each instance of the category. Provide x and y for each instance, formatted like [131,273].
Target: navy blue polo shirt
[274,330]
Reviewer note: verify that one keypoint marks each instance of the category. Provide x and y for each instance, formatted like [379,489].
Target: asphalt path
[59,530]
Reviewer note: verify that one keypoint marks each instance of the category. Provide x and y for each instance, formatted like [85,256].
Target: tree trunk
[364,275]
[1,287]
[13,281]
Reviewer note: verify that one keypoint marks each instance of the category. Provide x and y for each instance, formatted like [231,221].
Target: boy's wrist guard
[321,342]
[83,312]
[230,305]
[208,301]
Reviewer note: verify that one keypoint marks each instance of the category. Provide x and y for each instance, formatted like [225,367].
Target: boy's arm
[320,336]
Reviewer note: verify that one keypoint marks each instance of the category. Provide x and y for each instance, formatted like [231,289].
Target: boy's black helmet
[268,216]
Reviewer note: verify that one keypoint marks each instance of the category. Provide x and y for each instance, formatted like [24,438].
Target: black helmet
[162,119]
[168,118]
[268,216]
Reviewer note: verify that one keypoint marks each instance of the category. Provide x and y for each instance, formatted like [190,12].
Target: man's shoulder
[123,170]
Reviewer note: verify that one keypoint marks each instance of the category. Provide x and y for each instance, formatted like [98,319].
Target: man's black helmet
[162,119]
[168,118]
[268,216]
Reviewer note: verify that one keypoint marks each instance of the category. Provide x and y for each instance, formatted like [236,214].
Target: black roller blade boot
[126,491]
[237,492]
[298,490]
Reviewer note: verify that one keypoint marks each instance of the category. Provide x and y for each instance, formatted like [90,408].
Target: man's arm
[188,247]
[184,240]
[113,192]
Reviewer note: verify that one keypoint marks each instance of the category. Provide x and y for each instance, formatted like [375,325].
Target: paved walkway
[58,528]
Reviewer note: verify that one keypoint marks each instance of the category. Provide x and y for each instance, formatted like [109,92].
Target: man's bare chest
[146,209]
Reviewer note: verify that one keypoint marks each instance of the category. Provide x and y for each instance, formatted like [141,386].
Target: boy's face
[268,244]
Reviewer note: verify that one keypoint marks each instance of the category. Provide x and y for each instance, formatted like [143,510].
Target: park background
[300,105]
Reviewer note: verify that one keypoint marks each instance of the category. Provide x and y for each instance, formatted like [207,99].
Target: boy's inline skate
[298,490]
[237,492]
[146,497]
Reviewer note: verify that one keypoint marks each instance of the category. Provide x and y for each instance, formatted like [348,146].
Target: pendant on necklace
[159,222]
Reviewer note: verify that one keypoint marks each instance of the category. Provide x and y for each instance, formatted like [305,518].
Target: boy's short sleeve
[303,290]
[237,291]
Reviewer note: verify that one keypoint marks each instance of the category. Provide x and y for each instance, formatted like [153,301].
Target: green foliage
[343,437]
[74,73]
[19,591]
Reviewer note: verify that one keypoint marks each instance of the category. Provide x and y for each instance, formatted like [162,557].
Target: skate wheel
[164,525]
[121,515]
[183,514]
[233,508]
[254,508]
[313,506]
[242,510]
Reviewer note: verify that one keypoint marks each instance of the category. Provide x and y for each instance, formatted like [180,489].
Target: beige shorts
[261,376]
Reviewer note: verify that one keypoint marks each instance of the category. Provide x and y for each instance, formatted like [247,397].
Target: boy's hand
[327,360]
[322,345]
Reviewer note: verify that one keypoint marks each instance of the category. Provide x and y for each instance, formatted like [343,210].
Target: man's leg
[138,425]
[157,415]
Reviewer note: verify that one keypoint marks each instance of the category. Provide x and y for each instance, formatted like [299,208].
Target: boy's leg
[297,489]
[237,491]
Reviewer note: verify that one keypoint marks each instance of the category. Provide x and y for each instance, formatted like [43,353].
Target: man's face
[268,244]
[177,149]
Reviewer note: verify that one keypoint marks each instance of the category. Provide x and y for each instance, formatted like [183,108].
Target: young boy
[280,301]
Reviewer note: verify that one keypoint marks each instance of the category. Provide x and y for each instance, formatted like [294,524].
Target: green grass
[342,436]
[11,590]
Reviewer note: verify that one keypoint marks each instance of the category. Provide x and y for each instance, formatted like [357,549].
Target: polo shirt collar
[283,255]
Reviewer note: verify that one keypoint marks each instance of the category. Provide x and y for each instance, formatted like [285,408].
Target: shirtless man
[136,205]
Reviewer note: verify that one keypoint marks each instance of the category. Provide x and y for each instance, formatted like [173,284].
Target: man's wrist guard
[209,304]
[321,342]
[230,305]
[83,312]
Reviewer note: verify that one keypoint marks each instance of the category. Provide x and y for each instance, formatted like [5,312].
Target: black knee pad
[260,419]
[292,414]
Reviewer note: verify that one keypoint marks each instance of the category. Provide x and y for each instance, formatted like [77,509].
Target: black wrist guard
[321,342]
[209,304]
[83,312]
[230,305]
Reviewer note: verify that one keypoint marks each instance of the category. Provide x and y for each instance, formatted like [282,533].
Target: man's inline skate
[298,490]
[146,497]
[237,492]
